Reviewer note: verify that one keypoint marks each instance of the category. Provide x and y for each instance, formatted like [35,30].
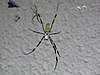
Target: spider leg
[54,17]
[36,31]
[53,21]
[54,46]
[37,17]
[33,18]
[54,33]
[56,51]
[35,7]
[41,21]
[56,63]
[35,47]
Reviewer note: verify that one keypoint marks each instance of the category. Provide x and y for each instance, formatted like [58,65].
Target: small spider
[36,14]
[46,36]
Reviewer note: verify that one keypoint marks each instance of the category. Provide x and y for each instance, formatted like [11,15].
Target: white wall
[78,42]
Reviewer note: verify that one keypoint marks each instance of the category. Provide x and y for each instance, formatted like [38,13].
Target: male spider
[46,36]
[36,14]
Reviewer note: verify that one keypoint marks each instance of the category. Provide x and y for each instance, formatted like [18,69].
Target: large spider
[46,36]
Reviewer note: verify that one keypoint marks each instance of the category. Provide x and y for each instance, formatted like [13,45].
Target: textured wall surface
[78,42]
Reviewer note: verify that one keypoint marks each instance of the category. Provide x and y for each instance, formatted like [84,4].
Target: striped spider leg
[55,50]
[35,47]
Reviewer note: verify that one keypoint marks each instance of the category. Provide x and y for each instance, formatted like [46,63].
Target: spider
[36,14]
[46,36]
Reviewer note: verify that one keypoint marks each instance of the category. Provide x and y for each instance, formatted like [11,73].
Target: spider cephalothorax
[46,35]
[47,31]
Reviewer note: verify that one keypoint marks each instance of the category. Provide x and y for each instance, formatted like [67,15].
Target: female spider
[46,36]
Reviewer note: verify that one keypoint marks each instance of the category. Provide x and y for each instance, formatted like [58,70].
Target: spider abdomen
[46,37]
